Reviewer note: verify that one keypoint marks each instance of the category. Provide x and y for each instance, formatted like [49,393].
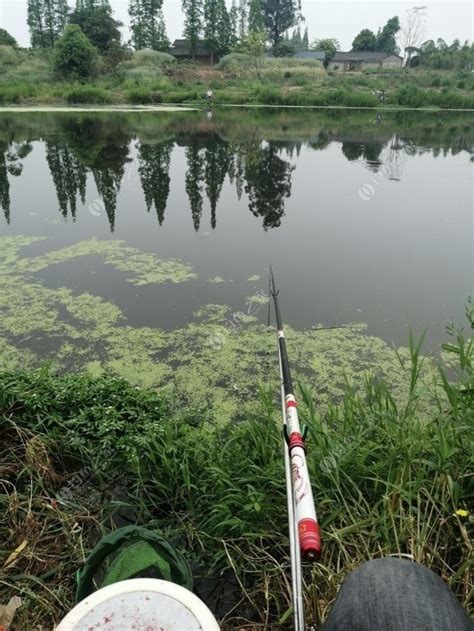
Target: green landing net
[132,552]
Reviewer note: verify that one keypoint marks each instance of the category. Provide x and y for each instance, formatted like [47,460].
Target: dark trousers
[396,595]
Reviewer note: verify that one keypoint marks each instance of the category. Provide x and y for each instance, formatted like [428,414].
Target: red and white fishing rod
[305,538]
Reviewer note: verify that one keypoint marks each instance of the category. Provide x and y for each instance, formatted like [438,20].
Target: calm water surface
[365,217]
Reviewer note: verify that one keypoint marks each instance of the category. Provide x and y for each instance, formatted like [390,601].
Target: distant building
[318,55]
[364,59]
[202,54]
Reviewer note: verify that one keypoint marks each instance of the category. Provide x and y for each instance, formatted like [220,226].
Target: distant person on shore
[380,94]
[210,96]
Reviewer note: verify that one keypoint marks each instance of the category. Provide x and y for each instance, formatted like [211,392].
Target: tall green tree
[46,20]
[254,45]
[153,168]
[329,45]
[97,23]
[386,37]
[148,25]
[305,43]
[225,37]
[440,56]
[365,40]
[193,23]
[243,17]
[234,23]
[93,4]
[256,22]
[279,16]
[217,27]
[74,56]
[296,39]
[210,19]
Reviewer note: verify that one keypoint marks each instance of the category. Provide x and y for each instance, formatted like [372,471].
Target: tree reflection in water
[102,145]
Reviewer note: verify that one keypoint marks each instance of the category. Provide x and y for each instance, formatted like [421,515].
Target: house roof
[363,55]
[311,54]
[181,47]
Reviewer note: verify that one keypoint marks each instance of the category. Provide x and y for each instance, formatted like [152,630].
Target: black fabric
[396,595]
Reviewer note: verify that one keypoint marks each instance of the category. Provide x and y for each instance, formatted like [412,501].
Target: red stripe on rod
[291,404]
[295,440]
[310,539]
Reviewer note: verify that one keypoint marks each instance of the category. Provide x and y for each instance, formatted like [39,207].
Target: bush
[16,93]
[138,95]
[230,63]
[283,49]
[452,100]
[31,69]
[411,96]
[6,39]
[296,75]
[143,96]
[74,55]
[87,94]
[8,57]
[141,75]
[148,57]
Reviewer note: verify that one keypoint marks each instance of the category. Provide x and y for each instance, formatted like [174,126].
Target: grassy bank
[388,479]
[27,78]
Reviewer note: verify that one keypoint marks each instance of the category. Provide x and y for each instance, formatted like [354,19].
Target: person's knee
[378,569]
[392,593]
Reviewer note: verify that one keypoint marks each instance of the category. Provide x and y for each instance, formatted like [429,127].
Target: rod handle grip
[310,539]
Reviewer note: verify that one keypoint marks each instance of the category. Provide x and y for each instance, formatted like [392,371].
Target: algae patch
[144,268]
[216,279]
[215,363]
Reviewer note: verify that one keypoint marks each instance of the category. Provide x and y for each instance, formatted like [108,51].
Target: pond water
[139,243]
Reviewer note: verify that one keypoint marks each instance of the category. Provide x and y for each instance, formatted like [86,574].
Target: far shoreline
[173,107]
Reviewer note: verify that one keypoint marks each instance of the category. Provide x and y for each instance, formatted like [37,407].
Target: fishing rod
[305,538]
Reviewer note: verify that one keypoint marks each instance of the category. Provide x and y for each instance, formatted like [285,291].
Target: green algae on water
[216,279]
[144,268]
[215,363]
[257,299]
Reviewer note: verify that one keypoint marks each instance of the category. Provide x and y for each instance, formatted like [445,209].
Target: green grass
[387,480]
[17,93]
[82,94]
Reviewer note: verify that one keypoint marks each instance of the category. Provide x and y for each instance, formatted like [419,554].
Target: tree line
[211,20]
[79,34]
[416,50]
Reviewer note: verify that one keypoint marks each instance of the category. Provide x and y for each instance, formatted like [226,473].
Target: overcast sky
[342,20]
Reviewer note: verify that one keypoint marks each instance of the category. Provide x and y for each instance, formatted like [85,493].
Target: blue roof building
[318,55]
